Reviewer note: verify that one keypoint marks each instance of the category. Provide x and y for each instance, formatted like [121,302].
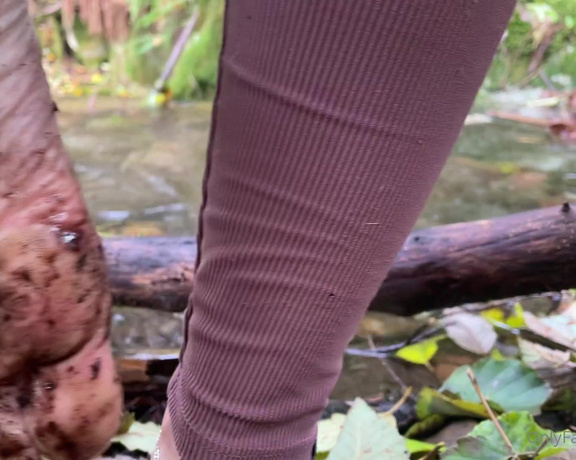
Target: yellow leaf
[97,78]
[420,353]
[497,354]
[497,315]
[516,320]
[494,314]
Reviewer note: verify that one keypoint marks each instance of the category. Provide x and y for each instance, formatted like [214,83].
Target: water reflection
[145,167]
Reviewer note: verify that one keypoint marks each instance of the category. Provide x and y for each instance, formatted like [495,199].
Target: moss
[196,73]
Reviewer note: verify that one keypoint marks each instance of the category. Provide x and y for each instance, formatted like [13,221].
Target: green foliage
[429,424]
[196,73]
[529,440]
[507,383]
[540,36]
[432,402]
[539,46]
[155,27]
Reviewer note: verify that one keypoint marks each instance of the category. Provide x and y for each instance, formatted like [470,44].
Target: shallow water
[143,169]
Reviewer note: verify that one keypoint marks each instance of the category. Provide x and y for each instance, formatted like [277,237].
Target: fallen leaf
[485,442]
[366,436]
[430,424]
[470,332]
[551,328]
[432,402]
[537,356]
[141,437]
[508,383]
[328,432]
[420,353]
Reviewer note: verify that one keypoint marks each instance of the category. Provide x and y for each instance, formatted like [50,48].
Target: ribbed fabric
[332,122]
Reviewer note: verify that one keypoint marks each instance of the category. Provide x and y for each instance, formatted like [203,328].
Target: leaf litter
[512,391]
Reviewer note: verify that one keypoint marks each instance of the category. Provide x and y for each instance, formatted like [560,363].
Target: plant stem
[176,51]
[472,377]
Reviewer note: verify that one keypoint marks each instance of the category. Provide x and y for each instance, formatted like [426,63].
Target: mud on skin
[59,392]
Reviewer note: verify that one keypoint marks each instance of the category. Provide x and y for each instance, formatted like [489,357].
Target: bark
[449,265]
[520,254]
[153,272]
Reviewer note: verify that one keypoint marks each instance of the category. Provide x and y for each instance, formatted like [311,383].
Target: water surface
[144,168]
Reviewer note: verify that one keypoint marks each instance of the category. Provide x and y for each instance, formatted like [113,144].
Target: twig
[479,307]
[544,442]
[391,372]
[399,403]
[420,335]
[472,378]
[176,52]
[433,454]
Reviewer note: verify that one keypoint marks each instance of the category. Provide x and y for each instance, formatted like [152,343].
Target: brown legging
[332,122]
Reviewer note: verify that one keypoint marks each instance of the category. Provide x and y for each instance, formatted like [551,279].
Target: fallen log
[152,272]
[519,254]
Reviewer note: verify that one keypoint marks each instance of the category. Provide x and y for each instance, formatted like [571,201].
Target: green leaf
[497,355]
[141,436]
[418,447]
[430,424]
[484,442]
[420,353]
[366,436]
[479,448]
[507,383]
[433,402]
[564,401]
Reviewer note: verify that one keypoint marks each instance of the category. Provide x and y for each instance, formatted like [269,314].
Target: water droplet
[49,386]
[71,240]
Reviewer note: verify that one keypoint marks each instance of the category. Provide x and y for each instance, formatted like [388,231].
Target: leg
[332,122]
